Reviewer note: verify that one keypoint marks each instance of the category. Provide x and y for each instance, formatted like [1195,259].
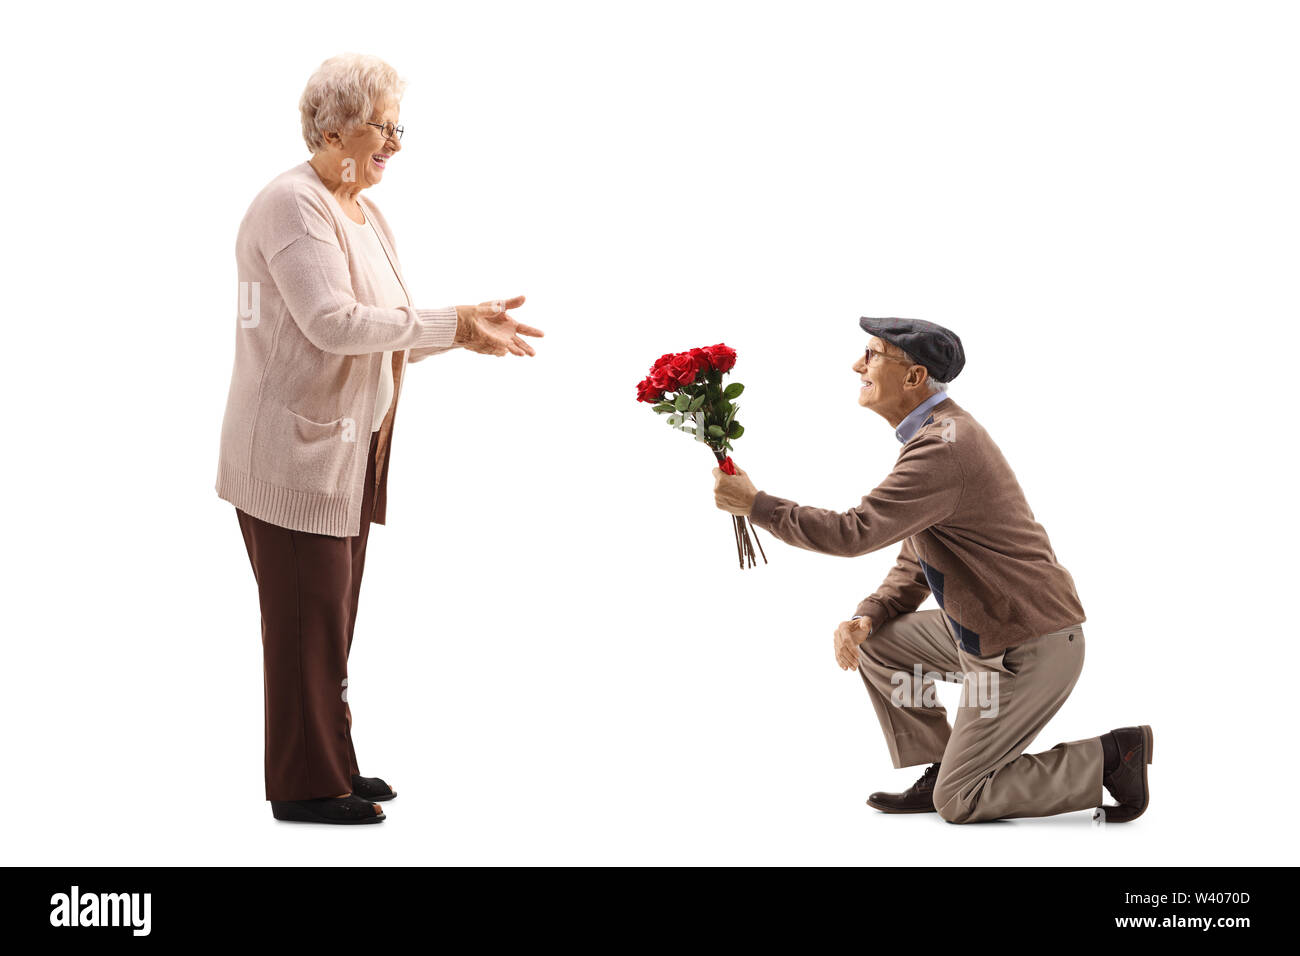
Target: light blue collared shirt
[909,425]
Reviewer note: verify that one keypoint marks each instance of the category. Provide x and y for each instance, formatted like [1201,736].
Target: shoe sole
[1149,742]
[299,815]
[1149,746]
[883,809]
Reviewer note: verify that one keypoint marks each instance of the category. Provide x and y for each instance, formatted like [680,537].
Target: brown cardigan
[968,537]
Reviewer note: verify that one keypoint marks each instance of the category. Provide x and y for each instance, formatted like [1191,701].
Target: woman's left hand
[487,328]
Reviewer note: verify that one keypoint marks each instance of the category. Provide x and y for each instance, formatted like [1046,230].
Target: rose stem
[760,545]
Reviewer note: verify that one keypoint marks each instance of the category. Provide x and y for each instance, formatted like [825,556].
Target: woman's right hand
[488,329]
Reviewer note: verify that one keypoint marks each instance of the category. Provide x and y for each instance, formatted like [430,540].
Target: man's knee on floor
[948,801]
[955,812]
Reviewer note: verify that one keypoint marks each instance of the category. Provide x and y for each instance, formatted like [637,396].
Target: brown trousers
[308,586]
[1007,698]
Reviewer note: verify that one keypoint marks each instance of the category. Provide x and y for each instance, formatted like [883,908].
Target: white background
[557,659]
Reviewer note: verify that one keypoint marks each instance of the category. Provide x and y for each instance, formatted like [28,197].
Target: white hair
[933,383]
[342,94]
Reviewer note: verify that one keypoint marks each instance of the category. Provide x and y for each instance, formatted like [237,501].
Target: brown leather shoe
[918,798]
[1127,783]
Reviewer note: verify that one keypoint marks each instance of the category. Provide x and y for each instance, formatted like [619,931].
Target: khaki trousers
[1007,698]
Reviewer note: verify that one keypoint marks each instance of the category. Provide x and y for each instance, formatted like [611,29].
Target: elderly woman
[326,328]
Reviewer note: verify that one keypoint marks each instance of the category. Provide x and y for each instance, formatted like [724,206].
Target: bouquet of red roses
[687,387]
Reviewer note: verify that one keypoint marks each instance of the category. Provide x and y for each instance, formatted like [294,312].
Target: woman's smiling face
[364,152]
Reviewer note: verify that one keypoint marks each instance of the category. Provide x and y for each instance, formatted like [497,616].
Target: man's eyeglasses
[390,131]
[872,354]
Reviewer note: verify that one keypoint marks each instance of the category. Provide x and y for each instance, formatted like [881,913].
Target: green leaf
[734,390]
[716,431]
[697,403]
[731,414]
[682,401]
[736,430]
[664,407]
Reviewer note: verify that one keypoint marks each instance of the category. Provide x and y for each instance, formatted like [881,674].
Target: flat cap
[933,346]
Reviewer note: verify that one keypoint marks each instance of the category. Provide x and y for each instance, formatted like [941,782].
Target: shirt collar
[909,425]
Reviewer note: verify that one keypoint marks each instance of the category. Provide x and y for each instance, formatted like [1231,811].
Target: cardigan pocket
[312,429]
[311,456]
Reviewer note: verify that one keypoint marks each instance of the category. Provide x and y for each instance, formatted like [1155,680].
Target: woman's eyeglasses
[390,131]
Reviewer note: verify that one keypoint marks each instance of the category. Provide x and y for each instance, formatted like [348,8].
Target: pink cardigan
[309,341]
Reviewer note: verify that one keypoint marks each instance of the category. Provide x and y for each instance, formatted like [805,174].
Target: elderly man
[1009,626]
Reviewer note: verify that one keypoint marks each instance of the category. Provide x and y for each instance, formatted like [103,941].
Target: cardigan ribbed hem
[299,510]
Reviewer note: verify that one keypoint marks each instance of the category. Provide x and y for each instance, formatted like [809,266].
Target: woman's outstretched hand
[488,328]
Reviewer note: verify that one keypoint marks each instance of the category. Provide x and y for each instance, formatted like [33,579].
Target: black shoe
[1127,783]
[349,809]
[372,788]
[918,798]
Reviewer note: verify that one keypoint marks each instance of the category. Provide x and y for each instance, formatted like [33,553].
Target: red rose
[721,357]
[646,392]
[662,379]
[728,466]
[661,361]
[683,368]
